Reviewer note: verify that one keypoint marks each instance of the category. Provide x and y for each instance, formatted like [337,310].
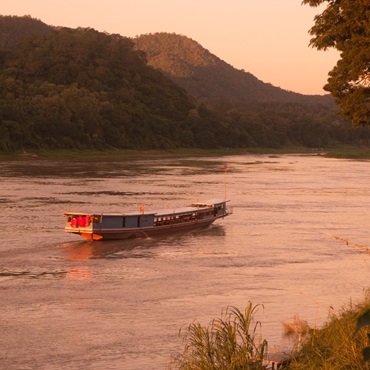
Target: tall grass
[231,342]
[337,345]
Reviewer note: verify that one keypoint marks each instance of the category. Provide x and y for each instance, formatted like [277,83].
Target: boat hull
[144,224]
[144,232]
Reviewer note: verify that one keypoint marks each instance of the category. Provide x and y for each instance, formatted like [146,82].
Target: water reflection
[34,274]
[134,248]
[79,273]
[81,251]
[62,295]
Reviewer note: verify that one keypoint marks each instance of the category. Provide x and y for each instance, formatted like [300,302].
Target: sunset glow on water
[70,303]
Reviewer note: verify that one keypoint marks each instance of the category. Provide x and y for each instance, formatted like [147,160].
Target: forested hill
[14,30]
[80,88]
[209,78]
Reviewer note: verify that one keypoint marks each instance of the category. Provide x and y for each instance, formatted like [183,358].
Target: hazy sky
[268,38]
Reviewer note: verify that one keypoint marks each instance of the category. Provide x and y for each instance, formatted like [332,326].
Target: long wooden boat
[108,226]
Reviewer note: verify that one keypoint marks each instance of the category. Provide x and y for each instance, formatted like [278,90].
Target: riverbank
[345,152]
[337,345]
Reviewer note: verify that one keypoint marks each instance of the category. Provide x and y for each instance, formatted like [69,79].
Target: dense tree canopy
[345,26]
[82,88]
[64,88]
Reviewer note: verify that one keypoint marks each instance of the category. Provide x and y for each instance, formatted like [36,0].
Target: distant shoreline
[342,152]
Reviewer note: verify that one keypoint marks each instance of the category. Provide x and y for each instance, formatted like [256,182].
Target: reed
[231,342]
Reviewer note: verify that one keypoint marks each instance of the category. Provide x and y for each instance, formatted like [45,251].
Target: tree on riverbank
[345,26]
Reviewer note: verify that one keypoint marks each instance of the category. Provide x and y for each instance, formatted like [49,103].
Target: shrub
[337,345]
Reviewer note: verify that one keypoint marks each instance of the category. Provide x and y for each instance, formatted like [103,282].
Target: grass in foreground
[337,345]
[231,342]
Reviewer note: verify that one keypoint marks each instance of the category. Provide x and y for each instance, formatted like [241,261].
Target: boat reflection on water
[79,251]
[79,273]
[134,248]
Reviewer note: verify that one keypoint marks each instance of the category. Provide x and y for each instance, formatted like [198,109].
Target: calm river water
[73,304]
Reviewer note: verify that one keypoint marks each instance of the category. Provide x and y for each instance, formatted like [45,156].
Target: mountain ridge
[208,78]
[64,88]
[204,75]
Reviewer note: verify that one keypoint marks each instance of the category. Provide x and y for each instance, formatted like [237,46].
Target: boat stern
[81,224]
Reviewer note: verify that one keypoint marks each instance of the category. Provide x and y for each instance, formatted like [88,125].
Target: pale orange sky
[268,38]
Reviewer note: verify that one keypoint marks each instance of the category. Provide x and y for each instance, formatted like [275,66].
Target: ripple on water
[72,303]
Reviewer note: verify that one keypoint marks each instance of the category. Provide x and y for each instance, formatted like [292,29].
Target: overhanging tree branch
[345,26]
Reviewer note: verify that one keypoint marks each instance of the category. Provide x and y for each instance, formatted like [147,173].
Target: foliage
[82,88]
[228,343]
[297,328]
[272,116]
[345,26]
[336,346]
[64,88]
[14,29]
[363,321]
[210,79]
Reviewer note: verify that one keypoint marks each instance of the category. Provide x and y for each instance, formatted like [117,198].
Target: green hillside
[82,88]
[64,88]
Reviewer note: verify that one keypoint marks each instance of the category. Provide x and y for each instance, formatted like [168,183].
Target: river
[67,303]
